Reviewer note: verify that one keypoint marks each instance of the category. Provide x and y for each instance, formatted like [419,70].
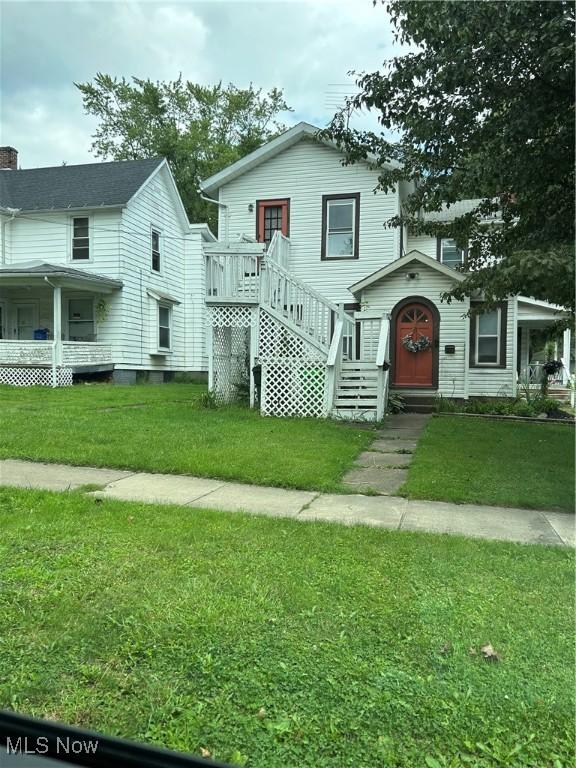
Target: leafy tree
[483,103]
[199,129]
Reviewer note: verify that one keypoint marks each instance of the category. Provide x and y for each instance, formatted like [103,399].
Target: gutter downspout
[57,322]
[226,214]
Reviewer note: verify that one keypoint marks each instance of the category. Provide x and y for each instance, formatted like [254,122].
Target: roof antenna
[339,98]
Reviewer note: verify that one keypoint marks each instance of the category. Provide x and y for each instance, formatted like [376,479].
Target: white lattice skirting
[293,372]
[231,317]
[231,362]
[293,388]
[33,377]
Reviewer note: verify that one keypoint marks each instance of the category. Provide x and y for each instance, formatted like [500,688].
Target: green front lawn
[159,429]
[507,463]
[274,643]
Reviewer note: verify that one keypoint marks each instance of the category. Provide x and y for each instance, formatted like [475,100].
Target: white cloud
[302,47]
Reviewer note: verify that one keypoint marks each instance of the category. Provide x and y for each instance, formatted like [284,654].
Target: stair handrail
[279,250]
[383,365]
[317,312]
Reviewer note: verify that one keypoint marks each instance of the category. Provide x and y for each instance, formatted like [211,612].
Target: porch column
[57,332]
[566,352]
[524,349]
[210,353]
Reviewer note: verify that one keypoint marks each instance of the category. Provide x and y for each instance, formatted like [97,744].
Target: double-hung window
[164,326]
[80,238]
[155,243]
[449,254]
[340,220]
[81,320]
[488,338]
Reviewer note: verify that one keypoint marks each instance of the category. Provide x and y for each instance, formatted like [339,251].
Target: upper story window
[449,254]
[340,226]
[164,326]
[488,339]
[272,216]
[155,242]
[80,238]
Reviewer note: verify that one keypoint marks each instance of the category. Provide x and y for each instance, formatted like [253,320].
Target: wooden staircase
[356,395]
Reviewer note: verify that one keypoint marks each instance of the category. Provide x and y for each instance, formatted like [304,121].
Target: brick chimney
[8,158]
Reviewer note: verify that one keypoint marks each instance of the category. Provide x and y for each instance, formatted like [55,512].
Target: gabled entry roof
[414,257]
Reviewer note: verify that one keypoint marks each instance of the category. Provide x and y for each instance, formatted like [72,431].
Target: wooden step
[358,365]
[352,402]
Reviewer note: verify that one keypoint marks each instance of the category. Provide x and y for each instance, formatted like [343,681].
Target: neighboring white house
[305,286]
[100,270]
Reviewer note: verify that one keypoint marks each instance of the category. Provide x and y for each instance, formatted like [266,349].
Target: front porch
[49,324]
[534,318]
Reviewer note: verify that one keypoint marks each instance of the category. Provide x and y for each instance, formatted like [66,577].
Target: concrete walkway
[504,524]
[384,467]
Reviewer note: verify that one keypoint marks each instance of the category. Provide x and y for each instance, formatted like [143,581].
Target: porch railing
[233,275]
[533,373]
[85,353]
[25,352]
[20,352]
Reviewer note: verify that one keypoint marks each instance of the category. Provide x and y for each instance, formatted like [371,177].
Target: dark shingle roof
[75,186]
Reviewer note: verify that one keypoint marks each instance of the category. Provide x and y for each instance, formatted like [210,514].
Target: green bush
[445,405]
[545,405]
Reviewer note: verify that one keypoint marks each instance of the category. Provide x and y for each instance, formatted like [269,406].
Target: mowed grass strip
[484,461]
[273,643]
[160,429]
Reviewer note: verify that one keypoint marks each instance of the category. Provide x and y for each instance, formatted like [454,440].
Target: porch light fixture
[250,207]
[412,275]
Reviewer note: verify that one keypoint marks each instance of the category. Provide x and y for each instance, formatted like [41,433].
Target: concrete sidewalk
[393,512]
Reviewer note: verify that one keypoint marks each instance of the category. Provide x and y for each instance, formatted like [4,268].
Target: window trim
[439,253]
[502,308]
[278,202]
[356,220]
[158,231]
[167,306]
[71,239]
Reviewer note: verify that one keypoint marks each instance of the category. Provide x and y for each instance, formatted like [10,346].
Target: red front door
[270,216]
[414,356]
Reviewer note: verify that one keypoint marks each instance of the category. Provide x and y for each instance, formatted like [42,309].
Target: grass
[514,464]
[272,643]
[159,429]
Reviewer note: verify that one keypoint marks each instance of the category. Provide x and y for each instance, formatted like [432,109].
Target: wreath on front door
[418,344]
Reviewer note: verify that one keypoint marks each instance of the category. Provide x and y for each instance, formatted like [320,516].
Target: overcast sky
[302,46]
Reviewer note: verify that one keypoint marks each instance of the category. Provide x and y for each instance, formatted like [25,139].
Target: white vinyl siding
[304,173]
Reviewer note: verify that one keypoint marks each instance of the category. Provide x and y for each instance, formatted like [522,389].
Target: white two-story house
[305,296]
[343,308]
[100,271]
